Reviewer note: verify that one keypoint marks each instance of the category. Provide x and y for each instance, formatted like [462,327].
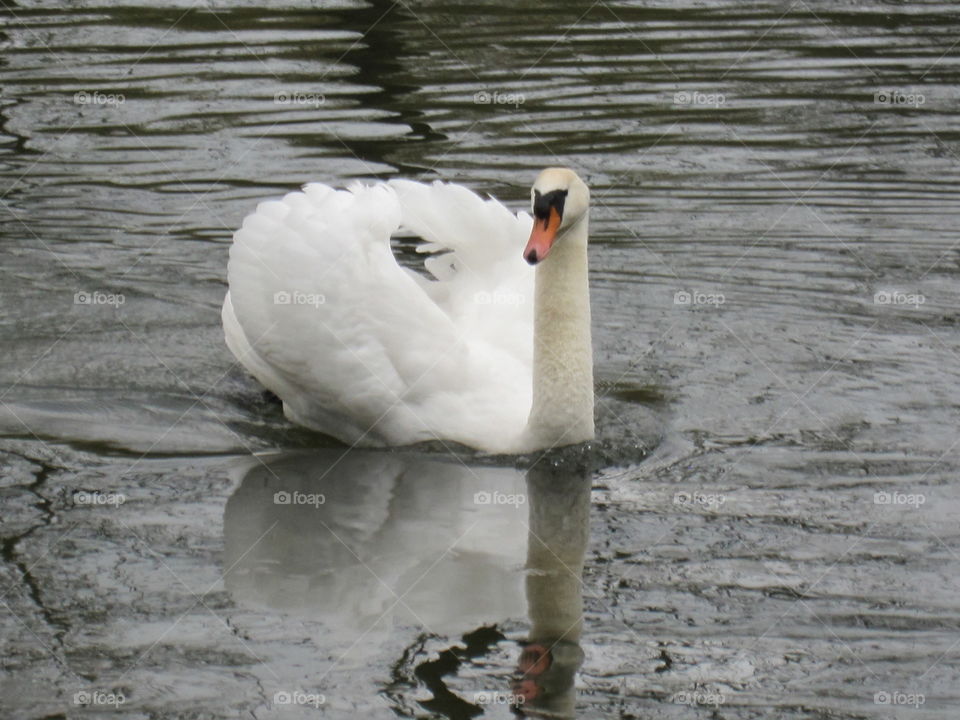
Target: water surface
[774,257]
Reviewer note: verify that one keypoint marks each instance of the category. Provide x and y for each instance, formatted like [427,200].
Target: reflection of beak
[534,661]
[542,237]
[526,689]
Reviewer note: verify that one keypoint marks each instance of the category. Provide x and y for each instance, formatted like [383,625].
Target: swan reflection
[365,542]
[559,527]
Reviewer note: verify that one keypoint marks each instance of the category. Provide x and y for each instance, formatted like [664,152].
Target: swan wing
[359,347]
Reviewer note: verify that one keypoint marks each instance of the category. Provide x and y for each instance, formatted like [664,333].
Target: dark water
[774,258]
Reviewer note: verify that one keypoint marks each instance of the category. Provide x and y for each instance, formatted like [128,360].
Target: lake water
[766,526]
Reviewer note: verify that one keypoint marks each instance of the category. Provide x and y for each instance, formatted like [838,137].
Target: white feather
[389,357]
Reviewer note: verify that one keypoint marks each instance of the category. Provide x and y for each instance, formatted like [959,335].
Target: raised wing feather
[360,348]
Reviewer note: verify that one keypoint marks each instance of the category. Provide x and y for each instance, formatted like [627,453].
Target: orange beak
[542,237]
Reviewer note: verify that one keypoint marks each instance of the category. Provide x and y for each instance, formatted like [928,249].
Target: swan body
[481,349]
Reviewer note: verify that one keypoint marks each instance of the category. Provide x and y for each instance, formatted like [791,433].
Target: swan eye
[543,202]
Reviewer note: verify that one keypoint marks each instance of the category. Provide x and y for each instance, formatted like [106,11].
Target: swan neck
[562,411]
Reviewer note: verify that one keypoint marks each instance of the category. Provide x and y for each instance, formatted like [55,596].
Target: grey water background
[774,257]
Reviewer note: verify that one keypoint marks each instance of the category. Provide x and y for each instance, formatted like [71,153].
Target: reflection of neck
[559,529]
[562,412]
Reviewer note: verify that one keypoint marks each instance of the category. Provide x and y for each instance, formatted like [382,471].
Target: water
[773,265]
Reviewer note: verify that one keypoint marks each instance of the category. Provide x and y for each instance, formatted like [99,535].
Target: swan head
[560,200]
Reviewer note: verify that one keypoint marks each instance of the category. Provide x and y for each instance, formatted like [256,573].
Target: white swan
[484,351]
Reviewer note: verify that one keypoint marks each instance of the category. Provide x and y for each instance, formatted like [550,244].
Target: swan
[489,347]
